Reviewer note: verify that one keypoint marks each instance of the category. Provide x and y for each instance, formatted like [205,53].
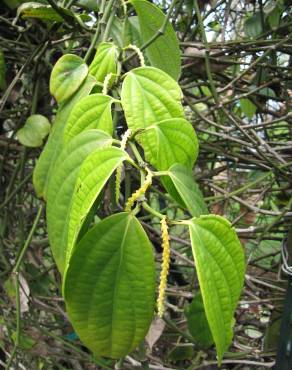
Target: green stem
[207,49]
[96,35]
[28,240]
[152,211]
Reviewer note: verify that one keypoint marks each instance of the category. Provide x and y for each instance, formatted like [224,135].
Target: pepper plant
[109,279]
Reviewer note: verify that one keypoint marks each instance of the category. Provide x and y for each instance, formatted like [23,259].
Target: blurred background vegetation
[237,84]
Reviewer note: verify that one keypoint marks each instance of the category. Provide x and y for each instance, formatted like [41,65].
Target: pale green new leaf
[93,175]
[168,142]
[104,61]
[189,192]
[61,187]
[220,266]
[110,286]
[164,52]
[148,96]
[92,111]
[53,147]
[35,129]
[67,75]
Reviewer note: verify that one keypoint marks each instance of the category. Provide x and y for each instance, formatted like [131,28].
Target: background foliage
[236,80]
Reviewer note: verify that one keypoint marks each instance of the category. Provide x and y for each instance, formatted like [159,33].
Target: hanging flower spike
[124,140]
[138,193]
[138,52]
[106,82]
[164,267]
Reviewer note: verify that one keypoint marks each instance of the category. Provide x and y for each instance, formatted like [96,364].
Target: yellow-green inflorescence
[164,267]
[140,192]
[138,52]
[124,140]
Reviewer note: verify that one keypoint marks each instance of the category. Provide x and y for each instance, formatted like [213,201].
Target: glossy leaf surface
[110,286]
[188,190]
[36,128]
[104,61]
[93,111]
[168,142]
[149,96]
[61,187]
[67,75]
[93,175]
[219,261]
[53,147]
[164,52]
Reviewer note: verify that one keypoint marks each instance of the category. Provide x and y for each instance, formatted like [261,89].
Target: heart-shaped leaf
[110,286]
[164,52]
[104,61]
[188,191]
[168,142]
[43,170]
[36,128]
[61,187]
[67,75]
[149,96]
[220,266]
[93,111]
[93,175]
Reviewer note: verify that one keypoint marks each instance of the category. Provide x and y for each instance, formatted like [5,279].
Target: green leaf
[188,190]
[248,107]
[164,52]
[253,26]
[35,129]
[104,61]
[110,286]
[67,75]
[169,141]
[148,96]
[220,266]
[61,188]
[92,5]
[53,147]
[267,92]
[93,175]
[40,11]
[132,32]
[197,322]
[273,14]
[92,111]
[2,71]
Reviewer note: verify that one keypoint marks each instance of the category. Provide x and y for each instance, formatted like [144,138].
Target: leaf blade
[93,175]
[152,88]
[62,185]
[188,190]
[91,112]
[67,75]
[217,254]
[43,169]
[164,52]
[104,61]
[114,325]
